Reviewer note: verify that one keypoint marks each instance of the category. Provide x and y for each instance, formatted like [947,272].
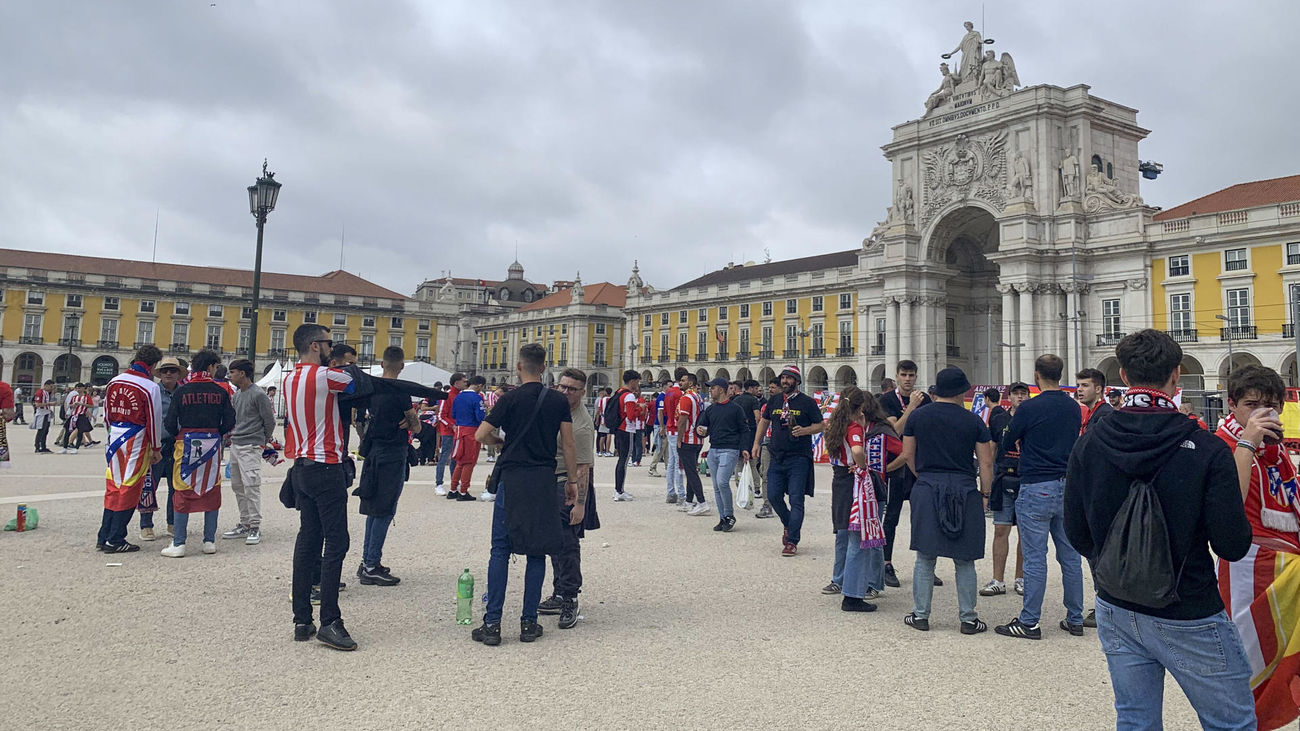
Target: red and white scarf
[864,513]
[1138,398]
[1280,502]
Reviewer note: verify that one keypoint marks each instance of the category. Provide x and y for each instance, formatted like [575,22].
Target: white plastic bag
[745,491]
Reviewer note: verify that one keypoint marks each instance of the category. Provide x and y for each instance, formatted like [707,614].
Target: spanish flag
[1262,594]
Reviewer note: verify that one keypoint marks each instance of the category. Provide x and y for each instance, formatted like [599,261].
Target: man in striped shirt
[689,443]
[314,440]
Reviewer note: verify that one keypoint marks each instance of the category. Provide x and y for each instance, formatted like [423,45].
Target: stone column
[866,338]
[932,328]
[1009,334]
[1028,329]
[905,328]
[891,335]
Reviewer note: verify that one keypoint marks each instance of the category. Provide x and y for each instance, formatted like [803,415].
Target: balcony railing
[179,348]
[662,359]
[1109,338]
[1288,330]
[69,342]
[30,340]
[141,343]
[599,363]
[561,363]
[817,353]
[280,353]
[790,353]
[766,354]
[742,354]
[846,352]
[106,344]
[877,350]
[422,358]
[701,357]
[954,351]
[722,355]
[1182,336]
[1238,332]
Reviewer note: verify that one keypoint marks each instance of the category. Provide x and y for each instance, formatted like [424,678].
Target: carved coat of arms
[967,168]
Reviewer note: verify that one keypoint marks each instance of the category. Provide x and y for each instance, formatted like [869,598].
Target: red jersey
[671,397]
[446,424]
[313,429]
[854,436]
[6,396]
[690,405]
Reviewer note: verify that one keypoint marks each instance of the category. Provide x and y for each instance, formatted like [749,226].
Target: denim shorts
[1007,515]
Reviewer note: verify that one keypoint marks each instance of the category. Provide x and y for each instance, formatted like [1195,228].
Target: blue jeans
[676,484]
[1040,512]
[181,527]
[856,568]
[923,587]
[1205,656]
[499,567]
[372,546]
[446,444]
[722,462]
[788,476]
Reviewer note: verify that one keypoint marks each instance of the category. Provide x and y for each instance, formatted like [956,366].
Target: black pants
[623,446]
[428,446]
[322,496]
[567,564]
[112,528]
[688,456]
[900,489]
[42,434]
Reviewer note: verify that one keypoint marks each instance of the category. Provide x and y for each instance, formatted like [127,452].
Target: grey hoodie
[254,417]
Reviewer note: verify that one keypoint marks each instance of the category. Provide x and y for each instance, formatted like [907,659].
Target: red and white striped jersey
[313,429]
[691,405]
[853,437]
[76,404]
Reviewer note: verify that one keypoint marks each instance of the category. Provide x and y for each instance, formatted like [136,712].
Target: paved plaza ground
[683,628]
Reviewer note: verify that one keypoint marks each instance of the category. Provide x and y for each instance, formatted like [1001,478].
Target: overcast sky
[684,133]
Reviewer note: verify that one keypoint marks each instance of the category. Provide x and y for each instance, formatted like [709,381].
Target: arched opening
[961,241]
[1110,367]
[722,373]
[816,379]
[1239,359]
[702,376]
[28,369]
[877,375]
[664,376]
[102,370]
[764,376]
[743,375]
[1191,374]
[1287,369]
[846,376]
[67,368]
[647,377]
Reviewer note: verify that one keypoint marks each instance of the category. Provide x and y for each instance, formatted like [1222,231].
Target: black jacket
[200,405]
[1198,491]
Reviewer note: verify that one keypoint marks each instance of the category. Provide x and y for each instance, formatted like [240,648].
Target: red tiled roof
[1241,195]
[603,293]
[752,272]
[336,282]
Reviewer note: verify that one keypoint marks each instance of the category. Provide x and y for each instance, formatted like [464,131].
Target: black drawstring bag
[1136,563]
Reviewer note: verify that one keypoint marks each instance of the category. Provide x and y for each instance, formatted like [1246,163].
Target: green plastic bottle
[465,598]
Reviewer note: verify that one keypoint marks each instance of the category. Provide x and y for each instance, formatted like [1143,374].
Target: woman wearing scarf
[863,448]
[200,416]
[1262,590]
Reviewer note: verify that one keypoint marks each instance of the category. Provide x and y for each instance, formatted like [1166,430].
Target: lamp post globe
[262,196]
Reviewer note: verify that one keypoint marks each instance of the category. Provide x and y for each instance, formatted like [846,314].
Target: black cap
[951,382]
[1019,386]
[719,382]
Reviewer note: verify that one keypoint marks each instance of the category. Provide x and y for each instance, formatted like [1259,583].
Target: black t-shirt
[799,410]
[386,412]
[946,436]
[538,445]
[893,406]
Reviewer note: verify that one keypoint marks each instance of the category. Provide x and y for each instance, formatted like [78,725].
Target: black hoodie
[1198,492]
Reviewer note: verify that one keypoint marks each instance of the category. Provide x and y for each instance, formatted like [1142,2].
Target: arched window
[528,295]
[504,294]
[1097,163]
[1110,171]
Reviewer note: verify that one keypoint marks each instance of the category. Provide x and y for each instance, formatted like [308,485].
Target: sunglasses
[569,389]
[329,342]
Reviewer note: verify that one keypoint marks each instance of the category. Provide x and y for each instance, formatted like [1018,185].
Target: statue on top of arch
[978,73]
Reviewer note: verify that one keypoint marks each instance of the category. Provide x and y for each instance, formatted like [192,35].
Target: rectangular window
[422,348]
[394,341]
[277,339]
[663,317]
[367,322]
[600,351]
[180,333]
[564,329]
[681,316]
[846,301]
[35,297]
[340,319]
[767,309]
[744,312]
[722,313]
[180,308]
[214,337]
[564,351]
[645,349]
[818,338]
[108,330]
[767,344]
[309,318]
[950,332]
[539,331]
[72,327]
[149,306]
[1234,260]
[395,323]
[243,338]
[702,343]
[846,337]
[1293,253]
[279,315]
[422,326]
[74,300]
[144,331]
[703,314]
[1238,307]
[647,321]
[681,345]
[818,303]
[550,353]
[663,345]
[792,337]
[367,348]
[1179,266]
[722,337]
[111,303]
[31,326]
[1180,312]
[1110,318]
[791,307]
[216,311]
[881,332]
[600,328]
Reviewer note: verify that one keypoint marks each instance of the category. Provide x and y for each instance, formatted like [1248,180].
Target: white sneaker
[487,497]
[685,507]
[209,547]
[627,496]
[1020,586]
[700,509]
[254,537]
[174,551]
[492,459]
[72,451]
[439,490]
[62,450]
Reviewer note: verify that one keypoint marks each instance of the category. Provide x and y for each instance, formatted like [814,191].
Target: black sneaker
[973,627]
[334,635]
[465,497]
[1016,628]
[488,634]
[375,577]
[1074,629]
[361,567]
[853,604]
[891,578]
[529,631]
[1090,619]
[721,526]
[451,494]
[552,605]
[569,614]
[304,632]
[730,523]
[915,622]
[342,585]
[122,547]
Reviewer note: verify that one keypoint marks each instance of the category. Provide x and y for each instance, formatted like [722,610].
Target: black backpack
[613,415]
[1136,564]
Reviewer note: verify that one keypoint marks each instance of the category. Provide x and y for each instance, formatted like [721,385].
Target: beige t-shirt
[584,437]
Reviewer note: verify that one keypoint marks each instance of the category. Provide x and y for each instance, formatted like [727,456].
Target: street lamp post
[261,201]
[72,331]
[1227,331]
[1015,350]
